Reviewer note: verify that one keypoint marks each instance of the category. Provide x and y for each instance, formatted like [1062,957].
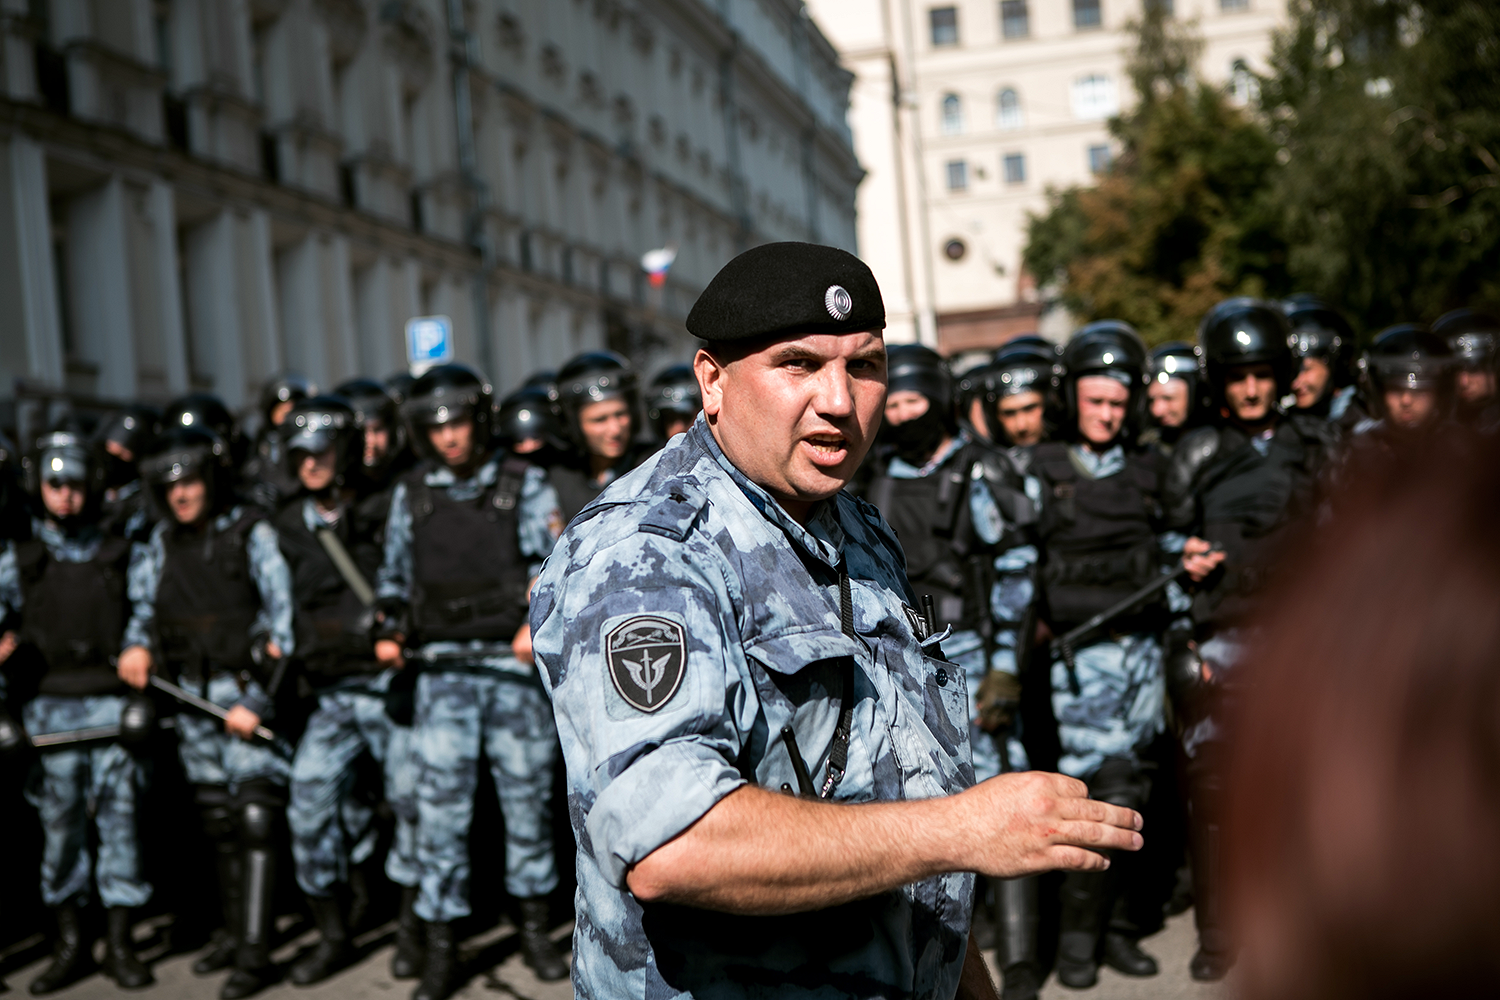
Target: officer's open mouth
[827,447]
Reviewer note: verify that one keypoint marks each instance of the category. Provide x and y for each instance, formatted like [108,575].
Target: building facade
[195,194]
[966,111]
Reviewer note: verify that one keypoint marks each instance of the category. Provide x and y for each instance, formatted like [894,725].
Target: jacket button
[942,677]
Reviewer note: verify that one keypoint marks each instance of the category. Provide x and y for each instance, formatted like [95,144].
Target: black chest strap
[838,752]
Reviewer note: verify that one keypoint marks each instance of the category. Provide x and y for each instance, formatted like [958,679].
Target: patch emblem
[838,302]
[647,657]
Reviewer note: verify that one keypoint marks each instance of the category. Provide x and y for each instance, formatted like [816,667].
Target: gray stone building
[195,194]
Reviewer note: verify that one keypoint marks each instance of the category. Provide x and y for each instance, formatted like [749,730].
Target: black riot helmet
[915,368]
[207,411]
[673,393]
[288,387]
[317,424]
[530,414]
[1026,364]
[184,451]
[1408,356]
[399,384]
[1111,348]
[1319,331]
[968,386]
[593,378]
[372,402]
[1245,331]
[444,394]
[1473,337]
[1177,359]
[65,455]
[130,430]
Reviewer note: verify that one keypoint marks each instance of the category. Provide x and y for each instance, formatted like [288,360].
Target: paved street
[496,968]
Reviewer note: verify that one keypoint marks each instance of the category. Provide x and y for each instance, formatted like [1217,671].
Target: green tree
[1183,218]
[1387,115]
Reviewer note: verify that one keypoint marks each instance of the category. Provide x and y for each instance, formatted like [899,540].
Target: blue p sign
[429,342]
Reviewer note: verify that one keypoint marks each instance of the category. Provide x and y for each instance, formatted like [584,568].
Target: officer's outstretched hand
[1030,822]
[388,652]
[134,667]
[241,722]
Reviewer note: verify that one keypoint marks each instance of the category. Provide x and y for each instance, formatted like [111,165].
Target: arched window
[1243,87]
[953,114]
[1008,109]
[1094,96]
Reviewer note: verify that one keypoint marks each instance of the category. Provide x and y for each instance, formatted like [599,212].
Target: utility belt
[1078,587]
[475,615]
[197,648]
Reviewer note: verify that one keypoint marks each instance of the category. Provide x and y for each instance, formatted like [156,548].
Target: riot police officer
[1323,346]
[1174,398]
[1242,481]
[528,423]
[468,530]
[955,505]
[673,401]
[63,594]
[332,539]
[1411,383]
[1020,396]
[265,473]
[384,453]
[1101,538]
[597,393]
[1474,337]
[121,438]
[213,607]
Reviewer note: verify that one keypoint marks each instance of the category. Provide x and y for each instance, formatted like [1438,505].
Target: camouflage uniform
[684,622]
[68,785]
[211,756]
[478,695]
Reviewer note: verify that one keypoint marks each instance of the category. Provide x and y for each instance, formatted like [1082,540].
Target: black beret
[782,288]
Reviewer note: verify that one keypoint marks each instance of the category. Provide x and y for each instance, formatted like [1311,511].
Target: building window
[1164,7]
[1099,159]
[958,175]
[944,22]
[1094,97]
[1086,14]
[1015,168]
[1244,89]
[1008,109]
[1015,19]
[1229,6]
[953,114]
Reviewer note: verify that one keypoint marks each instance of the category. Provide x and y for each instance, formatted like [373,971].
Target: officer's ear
[711,370]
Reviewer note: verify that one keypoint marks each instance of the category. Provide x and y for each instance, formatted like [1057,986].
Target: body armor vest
[1099,537]
[930,516]
[332,624]
[74,613]
[206,601]
[575,490]
[1246,499]
[468,574]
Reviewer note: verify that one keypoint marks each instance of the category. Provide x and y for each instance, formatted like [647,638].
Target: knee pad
[257,824]
[1120,783]
[215,811]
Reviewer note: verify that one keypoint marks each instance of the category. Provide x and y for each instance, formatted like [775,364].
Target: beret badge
[838,302]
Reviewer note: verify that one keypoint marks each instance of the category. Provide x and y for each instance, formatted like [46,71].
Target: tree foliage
[1367,174]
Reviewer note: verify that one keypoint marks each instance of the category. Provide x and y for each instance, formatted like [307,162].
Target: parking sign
[429,342]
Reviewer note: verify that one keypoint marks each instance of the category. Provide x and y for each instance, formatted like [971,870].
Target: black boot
[1016,918]
[406,963]
[253,971]
[220,826]
[71,960]
[537,949]
[440,969]
[120,961]
[332,951]
[1078,938]
[1124,955]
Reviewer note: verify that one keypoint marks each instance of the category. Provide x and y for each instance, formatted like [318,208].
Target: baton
[72,736]
[1065,644]
[203,705]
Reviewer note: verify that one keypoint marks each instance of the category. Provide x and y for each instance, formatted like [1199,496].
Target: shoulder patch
[647,657]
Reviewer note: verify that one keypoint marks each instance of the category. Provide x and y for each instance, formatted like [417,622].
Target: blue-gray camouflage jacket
[684,619]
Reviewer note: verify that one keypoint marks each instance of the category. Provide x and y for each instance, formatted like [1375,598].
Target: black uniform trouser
[242,828]
[1088,897]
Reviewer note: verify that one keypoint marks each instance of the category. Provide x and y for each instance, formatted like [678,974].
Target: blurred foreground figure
[1365,791]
